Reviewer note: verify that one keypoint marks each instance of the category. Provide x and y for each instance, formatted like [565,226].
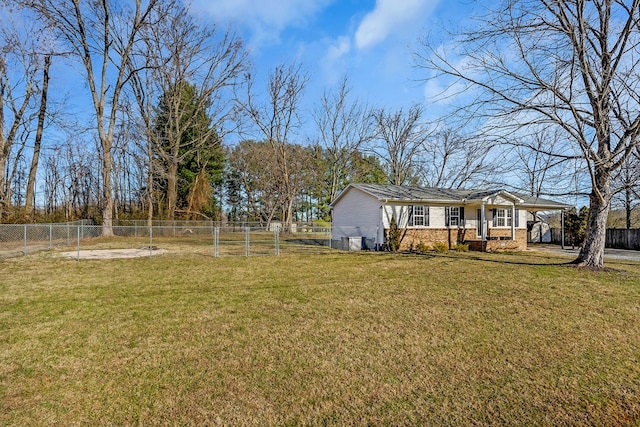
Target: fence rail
[204,238]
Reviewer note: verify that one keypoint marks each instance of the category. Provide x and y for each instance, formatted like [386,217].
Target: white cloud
[390,16]
[266,18]
[341,47]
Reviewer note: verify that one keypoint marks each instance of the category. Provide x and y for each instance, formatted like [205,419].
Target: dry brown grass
[333,339]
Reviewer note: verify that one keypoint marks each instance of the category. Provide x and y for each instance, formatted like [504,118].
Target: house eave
[481,199]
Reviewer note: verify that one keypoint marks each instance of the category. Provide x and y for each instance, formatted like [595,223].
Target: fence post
[78,257]
[151,240]
[25,239]
[246,241]
[276,235]
[216,236]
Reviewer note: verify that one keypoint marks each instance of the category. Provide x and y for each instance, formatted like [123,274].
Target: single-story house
[487,220]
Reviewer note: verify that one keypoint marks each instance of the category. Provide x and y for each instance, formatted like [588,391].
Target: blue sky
[370,40]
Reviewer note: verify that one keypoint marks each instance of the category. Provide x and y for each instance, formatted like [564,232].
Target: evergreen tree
[189,150]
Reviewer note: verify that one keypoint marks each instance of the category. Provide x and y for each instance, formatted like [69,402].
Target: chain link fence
[177,237]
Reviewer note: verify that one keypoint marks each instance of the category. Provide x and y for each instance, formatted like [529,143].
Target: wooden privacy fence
[620,238]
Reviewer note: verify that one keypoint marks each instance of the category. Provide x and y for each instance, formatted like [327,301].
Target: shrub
[461,247]
[422,248]
[394,235]
[440,247]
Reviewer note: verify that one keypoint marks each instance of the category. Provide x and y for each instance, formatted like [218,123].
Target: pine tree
[190,150]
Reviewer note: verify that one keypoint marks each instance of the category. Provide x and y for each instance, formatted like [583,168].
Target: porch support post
[483,225]
[380,229]
[562,228]
[513,222]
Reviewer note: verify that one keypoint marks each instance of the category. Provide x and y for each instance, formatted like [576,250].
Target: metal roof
[401,193]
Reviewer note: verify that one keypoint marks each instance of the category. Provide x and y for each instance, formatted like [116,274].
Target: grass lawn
[321,339]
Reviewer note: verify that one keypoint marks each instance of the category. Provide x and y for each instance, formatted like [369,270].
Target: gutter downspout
[380,230]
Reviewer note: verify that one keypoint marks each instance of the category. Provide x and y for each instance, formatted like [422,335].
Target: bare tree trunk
[592,252]
[7,141]
[31,183]
[150,179]
[172,189]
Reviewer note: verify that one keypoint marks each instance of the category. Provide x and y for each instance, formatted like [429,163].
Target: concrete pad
[112,253]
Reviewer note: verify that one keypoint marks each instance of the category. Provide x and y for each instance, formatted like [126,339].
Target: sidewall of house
[356,214]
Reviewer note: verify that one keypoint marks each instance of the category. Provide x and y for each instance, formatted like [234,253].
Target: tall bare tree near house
[276,119]
[400,140]
[572,65]
[102,35]
[344,126]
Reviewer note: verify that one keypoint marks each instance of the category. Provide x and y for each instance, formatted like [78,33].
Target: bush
[422,248]
[461,247]
[394,235]
[440,247]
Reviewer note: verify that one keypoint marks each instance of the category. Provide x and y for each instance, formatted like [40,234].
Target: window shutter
[446,216]
[462,216]
[517,218]
[494,212]
[426,216]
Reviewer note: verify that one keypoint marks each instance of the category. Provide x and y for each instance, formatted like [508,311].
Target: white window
[419,216]
[454,216]
[503,218]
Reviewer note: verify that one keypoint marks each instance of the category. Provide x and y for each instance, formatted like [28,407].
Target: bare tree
[180,54]
[571,65]
[19,67]
[538,171]
[251,164]
[276,118]
[451,160]
[70,180]
[627,181]
[344,127]
[37,143]
[401,137]
[102,35]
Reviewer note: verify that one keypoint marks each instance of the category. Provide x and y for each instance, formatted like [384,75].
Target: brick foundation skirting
[497,238]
